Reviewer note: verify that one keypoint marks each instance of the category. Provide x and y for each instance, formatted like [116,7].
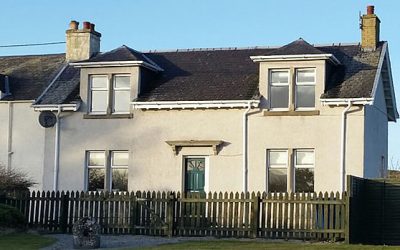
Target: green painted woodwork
[194,174]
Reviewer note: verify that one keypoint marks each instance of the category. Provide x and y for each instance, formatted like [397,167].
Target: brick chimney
[369,29]
[81,43]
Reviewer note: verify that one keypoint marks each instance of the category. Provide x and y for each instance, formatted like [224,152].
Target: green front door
[194,174]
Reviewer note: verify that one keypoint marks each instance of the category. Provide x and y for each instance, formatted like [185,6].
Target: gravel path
[64,241]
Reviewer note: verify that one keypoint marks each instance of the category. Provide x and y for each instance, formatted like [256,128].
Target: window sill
[108,116]
[291,113]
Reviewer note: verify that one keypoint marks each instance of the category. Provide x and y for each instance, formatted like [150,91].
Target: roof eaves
[274,58]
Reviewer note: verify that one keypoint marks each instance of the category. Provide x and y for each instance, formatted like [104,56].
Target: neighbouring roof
[192,75]
[30,75]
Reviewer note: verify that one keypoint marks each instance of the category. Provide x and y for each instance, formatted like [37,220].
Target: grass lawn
[24,241]
[194,245]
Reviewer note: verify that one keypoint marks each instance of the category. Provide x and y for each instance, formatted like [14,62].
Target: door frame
[206,171]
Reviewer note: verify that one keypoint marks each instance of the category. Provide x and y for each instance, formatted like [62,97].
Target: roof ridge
[33,55]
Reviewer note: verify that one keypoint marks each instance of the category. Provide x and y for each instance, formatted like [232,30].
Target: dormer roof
[297,47]
[121,56]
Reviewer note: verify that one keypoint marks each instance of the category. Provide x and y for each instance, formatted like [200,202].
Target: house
[293,118]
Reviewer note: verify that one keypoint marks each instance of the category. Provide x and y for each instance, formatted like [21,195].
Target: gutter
[345,101]
[55,107]
[195,104]
[245,157]
[275,58]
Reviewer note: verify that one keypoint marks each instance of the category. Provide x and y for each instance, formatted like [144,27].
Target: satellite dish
[47,119]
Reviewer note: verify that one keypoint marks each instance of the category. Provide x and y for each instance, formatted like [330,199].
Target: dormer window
[279,89]
[305,89]
[292,89]
[109,94]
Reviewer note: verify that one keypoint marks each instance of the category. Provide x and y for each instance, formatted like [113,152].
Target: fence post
[64,212]
[133,212]
[170,214]
[255,212]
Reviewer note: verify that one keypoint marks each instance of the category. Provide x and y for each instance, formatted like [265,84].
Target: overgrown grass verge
[255,245]
[24,241]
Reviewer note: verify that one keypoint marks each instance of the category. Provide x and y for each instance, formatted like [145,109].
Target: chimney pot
[370,9]
[73,25]
[86,25]
[81,44]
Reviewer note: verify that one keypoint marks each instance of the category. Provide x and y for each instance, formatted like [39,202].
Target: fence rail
[268,215]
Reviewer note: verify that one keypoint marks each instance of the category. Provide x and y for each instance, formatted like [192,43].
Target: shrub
[14,180]
[10,217]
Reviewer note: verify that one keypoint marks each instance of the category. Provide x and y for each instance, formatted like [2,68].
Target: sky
[171,24]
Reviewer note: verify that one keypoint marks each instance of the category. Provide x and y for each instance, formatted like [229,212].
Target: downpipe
[245,169]
[343,147]
[56,150]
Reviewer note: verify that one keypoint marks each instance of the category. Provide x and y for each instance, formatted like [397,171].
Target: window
[277,170]
[102,102]
[119,170]
[305,88]
[283,164]
[279,89]
[288,92]
[99,94]
[96,170]
[107,170]
[304,170]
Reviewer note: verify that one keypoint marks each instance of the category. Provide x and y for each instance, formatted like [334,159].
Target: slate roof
[29,75]
[65,88]
[192,75]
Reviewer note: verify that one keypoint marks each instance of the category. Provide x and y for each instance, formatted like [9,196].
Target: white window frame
[114,89]
[108,166]
[299,166]
[270,84]
[279,166]
[91,90]
[117,166]
[110,96]
[95,167]
[304,84]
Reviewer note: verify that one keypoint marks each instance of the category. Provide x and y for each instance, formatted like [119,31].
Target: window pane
[305,96]
[279,96]
[306,75]
[121,100]
[279,76]
[99,82]
[278,157]
[304,157]
[277,180]
[122,82]
[120,158]
[96,179]
[119,179]
[99,101]
[304,180]
[96,159]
